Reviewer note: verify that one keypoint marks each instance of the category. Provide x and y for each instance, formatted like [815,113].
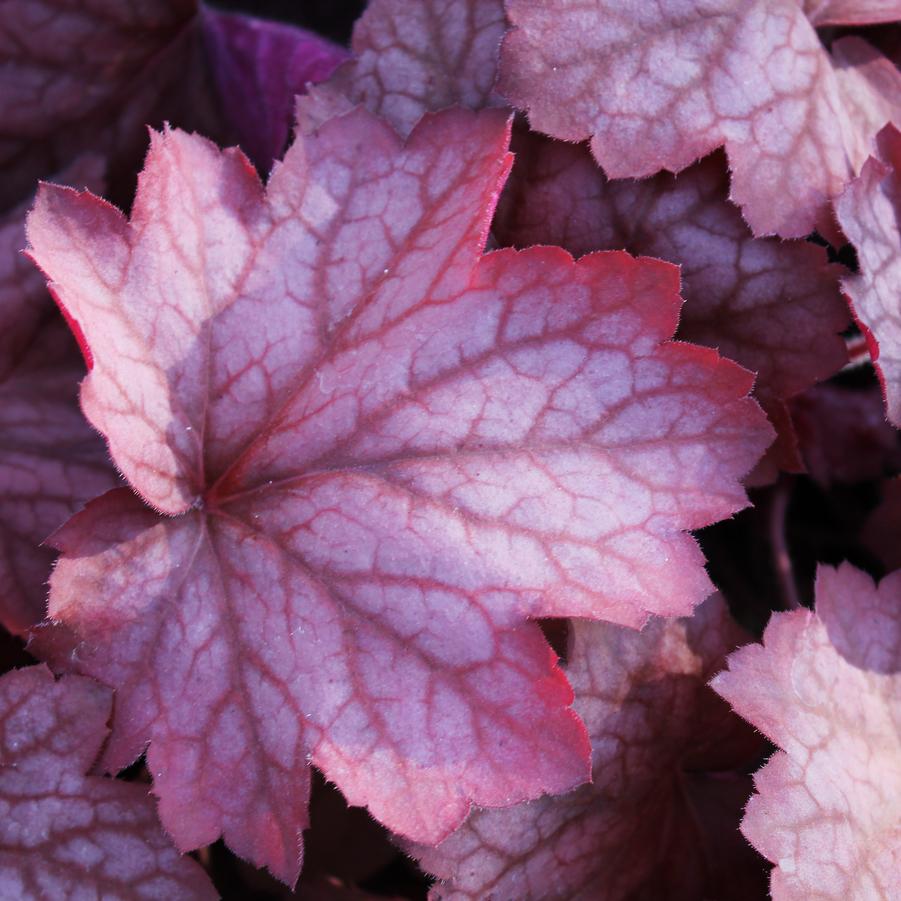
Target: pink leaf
[748,297]
[661,817]
[64,834]
[658,86]
[378,454]
[826,688]
[413,58]
[851,12]
[869,213]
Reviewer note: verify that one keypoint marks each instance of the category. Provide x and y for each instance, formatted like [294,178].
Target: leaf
[413,58]
[869,213]
[65,834]
[826,688]
[91,76]
[376,454]
[661,816]
[851,12]
[748,297]
[656,87]
[258,67]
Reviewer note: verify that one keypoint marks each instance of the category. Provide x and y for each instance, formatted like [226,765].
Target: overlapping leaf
[64,834]
[378,454]
[826,688]
[90,76]
[660,818]
[870,215]
[749,297]
[657,86]
[851,12]
[411,58]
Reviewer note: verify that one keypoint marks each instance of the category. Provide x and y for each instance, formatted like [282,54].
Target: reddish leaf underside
[751,298]
[657,86]
[826,688]
[661,817]
[870,215]
[64,834]
[413,58]
[378,454]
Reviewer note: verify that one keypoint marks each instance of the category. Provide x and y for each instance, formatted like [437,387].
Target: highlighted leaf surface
[826,688]
[659,85]
[378,454]
[660,819]
[64,834]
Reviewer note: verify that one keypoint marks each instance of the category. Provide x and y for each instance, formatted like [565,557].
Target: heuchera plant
[348,488]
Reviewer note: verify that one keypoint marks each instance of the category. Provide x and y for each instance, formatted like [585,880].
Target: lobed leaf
[657,86]
[825,687]
[378,453]
[64,834]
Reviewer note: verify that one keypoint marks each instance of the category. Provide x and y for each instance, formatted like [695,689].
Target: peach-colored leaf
[826,688]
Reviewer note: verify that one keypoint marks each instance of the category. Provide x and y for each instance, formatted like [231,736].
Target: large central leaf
[377,453]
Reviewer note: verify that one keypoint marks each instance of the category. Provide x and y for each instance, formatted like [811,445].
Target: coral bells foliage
[362,457]
[374,481]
